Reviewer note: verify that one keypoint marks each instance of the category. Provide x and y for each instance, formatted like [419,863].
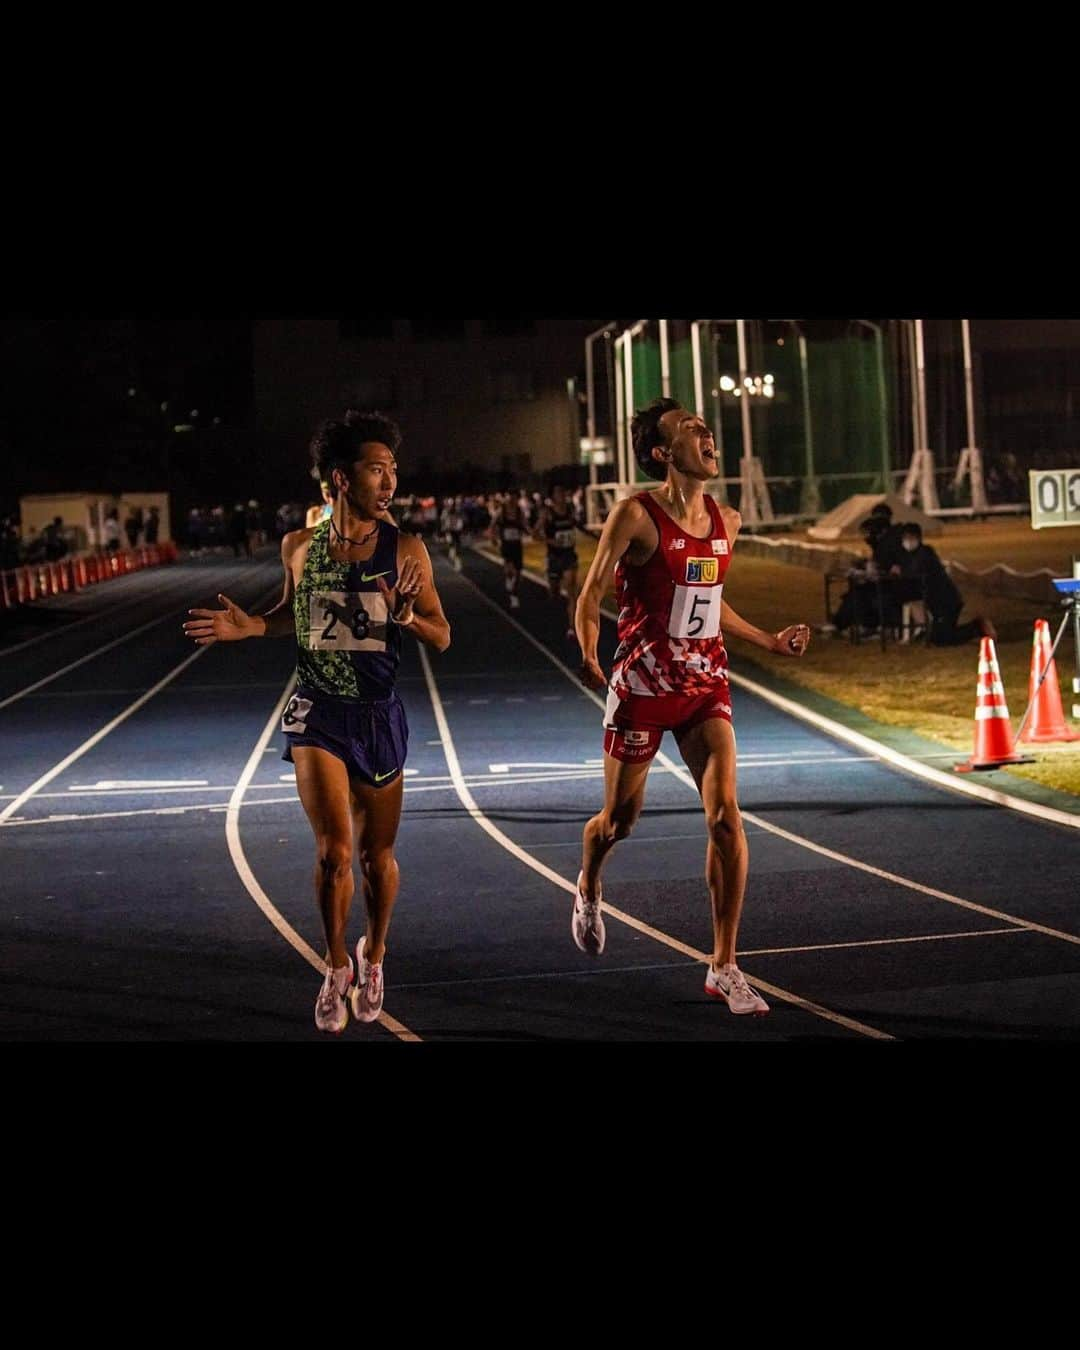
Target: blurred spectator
[323,509]
[133,525]
[55,545]
[153,523]
[112,530]
[9,543]
[238,531]
[254,527]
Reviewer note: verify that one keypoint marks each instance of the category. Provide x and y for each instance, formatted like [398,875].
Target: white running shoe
[331,1013]
[587,923]
[367,992]
[730,983]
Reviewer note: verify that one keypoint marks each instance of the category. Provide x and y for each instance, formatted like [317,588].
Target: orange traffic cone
[1047,716]
[993,734]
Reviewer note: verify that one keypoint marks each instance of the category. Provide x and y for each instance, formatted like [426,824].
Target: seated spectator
[887,548]
[860,603]
[925,576]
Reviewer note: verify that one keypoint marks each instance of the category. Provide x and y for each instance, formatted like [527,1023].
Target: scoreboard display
[1055,497]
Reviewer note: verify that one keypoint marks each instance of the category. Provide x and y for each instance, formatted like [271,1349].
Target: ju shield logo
[703,571]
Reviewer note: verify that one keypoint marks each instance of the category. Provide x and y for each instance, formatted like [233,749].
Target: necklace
[356,543]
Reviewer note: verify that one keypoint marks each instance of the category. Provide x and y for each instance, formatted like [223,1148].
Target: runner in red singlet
[669,550]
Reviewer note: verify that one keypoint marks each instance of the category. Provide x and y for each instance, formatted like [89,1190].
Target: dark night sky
[67,420]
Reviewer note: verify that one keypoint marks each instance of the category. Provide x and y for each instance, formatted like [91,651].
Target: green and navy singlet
[347,644]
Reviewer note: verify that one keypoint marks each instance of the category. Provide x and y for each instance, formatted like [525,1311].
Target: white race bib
[347,621]
[563,539]
[695,612]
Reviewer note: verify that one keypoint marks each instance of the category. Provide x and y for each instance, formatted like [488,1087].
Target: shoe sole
[334,1031]
[750,1012]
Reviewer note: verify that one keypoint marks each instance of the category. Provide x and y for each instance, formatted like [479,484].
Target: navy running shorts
[560,560]
[369,736]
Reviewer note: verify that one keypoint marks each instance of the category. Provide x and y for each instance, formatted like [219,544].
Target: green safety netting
[845,406]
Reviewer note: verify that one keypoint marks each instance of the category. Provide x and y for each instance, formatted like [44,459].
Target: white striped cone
[993,731]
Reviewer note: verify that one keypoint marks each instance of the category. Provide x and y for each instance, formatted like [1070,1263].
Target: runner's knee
[377,862]
[334,857]
[725,824]
[616,825]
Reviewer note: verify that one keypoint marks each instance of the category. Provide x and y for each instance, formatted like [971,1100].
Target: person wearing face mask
[353,584]
[921,577]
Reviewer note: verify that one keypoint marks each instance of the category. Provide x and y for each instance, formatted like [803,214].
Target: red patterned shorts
[634,726]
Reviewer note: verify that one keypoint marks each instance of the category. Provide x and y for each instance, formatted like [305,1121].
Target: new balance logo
[677,543]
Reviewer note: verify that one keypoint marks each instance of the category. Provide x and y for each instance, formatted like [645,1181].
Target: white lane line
[684,776]
[594,973]
[137,784]
[683,965]
[904,762]
[951,781]
[469,802]
[883,942]
[171,613]
[78,623]
[83,816]
[89,744]
[247,876]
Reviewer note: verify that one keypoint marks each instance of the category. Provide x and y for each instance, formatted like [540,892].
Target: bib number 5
[695,612]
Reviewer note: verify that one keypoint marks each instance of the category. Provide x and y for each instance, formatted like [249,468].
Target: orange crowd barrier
[35,581]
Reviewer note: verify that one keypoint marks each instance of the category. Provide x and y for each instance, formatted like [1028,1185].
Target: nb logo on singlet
[677,543]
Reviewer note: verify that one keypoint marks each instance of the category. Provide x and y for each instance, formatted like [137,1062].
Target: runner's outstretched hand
[230,624]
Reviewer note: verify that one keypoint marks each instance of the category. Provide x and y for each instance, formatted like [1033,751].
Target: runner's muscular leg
[624,796]
[709,752]
[323,784]
[376,816]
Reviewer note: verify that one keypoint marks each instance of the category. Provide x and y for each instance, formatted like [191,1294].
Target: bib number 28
[695,612]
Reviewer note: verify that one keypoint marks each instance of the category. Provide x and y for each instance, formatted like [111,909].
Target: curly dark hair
[645,433]
[336,444]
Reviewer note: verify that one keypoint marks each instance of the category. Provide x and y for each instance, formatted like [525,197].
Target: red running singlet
[669,612]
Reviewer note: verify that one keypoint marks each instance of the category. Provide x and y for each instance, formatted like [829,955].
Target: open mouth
[383,502]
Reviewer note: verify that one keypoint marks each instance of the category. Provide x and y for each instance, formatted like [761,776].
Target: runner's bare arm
[414,602]
[622,529]
[791,641]
[232,624]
